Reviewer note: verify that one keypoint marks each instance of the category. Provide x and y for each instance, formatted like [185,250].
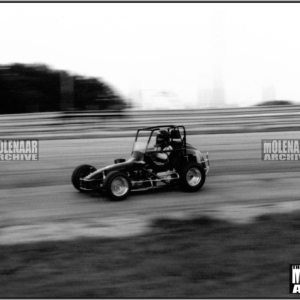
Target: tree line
[37,88]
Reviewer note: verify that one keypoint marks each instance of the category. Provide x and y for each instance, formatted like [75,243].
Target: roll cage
[175,134]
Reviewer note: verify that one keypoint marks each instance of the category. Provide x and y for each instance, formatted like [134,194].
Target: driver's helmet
[162,138]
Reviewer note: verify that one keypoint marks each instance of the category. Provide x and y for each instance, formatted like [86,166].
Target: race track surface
[39,202]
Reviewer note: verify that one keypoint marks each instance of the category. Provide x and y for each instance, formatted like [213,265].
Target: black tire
[192,177]
[81,172]
[117,185]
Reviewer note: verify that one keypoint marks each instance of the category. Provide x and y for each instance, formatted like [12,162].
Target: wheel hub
[193,176]
[119,186]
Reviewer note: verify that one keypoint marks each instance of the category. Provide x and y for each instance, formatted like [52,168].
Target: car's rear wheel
[192,177]
[117,186]
[81,172]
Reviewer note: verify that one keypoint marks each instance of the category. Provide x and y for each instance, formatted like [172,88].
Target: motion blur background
[82,78]
[184,61]
[185,55]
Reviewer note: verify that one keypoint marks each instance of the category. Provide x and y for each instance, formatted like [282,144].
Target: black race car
[160,156]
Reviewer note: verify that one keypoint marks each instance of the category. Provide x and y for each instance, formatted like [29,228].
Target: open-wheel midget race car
[160,156]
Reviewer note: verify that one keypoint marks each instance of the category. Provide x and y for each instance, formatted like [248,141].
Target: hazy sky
[195,53]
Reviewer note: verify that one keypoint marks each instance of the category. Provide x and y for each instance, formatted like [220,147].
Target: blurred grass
[198,258]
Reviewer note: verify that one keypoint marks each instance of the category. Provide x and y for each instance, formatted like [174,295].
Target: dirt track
[39,202]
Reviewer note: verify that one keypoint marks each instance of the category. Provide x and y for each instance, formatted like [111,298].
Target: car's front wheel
[117,185]
[81,172]
[192,177]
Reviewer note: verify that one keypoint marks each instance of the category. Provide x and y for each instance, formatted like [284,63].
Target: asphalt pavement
[239,186]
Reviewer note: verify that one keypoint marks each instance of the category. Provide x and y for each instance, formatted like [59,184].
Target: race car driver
[162,144]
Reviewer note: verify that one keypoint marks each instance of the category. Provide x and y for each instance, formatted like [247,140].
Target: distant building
[211,98]
[159,99]
[218,89]
[204,98]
